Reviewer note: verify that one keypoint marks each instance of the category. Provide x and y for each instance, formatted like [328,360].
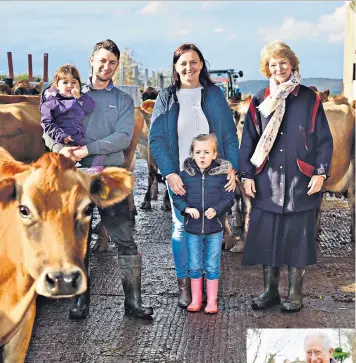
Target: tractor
[226,79]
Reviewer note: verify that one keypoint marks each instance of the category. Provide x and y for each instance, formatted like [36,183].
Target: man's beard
[101,79]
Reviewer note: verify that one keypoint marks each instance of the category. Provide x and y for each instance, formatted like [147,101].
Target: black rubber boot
[185,294]
[80,307]
[130,267]
[270,295]
[294,301]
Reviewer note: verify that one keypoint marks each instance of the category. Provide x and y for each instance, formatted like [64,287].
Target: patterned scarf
[276,101]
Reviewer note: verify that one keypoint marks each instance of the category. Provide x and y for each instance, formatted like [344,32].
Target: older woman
[190,106]
[285,156]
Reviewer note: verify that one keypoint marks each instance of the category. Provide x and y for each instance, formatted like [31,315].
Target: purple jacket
[62,116]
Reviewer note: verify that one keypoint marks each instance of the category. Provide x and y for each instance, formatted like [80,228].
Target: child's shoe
[212,287]
[197,294]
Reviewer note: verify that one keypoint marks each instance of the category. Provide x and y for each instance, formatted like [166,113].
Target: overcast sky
[229,33]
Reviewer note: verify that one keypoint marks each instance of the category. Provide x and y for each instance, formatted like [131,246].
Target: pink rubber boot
[196,286]
[212,287]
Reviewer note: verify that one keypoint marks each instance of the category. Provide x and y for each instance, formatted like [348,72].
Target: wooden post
[160,80]
[154,79]
[146,79]
[30,75]
[9,62]
[136,76]
[45,67]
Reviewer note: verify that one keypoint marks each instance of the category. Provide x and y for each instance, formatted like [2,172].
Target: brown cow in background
[21,87]
[20,129]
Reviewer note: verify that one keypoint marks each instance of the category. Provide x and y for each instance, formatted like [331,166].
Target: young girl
[204,205]
[63,108]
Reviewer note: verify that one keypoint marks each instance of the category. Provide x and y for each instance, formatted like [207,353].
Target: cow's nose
[59,283]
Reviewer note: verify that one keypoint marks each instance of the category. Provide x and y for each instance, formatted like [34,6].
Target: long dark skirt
[281,239]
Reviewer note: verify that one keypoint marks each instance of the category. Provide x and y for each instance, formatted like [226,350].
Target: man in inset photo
[318,348]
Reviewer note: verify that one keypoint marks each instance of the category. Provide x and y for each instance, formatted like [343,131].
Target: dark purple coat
[303,148]
[62,116]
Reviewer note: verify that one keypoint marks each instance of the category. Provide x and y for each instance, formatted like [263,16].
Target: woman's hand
[210,213]
[231,184]
[249,187]
[193,212]
[176,184]
[315,184]
[68,152]
[81,152]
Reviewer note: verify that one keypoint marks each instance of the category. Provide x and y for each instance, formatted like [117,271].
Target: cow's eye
[89,209]
[24,211]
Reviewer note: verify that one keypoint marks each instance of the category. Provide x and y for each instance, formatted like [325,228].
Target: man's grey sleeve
[51,144]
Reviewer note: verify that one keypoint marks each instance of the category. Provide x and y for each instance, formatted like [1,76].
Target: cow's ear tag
[104,192]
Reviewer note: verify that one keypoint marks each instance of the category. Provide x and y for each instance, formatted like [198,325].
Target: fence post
[136,76]
[146,79]
[30,75]
[153,79]
[161,80]
[9,62]
[45,67]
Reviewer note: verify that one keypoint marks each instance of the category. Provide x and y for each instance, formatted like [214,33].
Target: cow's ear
[111,186]
[147,106]
[10,168]
[7,190]
[248,99]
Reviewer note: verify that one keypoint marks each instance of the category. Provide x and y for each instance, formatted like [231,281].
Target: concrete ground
[107,336]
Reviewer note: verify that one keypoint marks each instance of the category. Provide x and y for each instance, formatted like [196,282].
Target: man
[318,348]
[109,129]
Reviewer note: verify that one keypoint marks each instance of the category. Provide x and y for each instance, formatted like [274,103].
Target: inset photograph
[301,346]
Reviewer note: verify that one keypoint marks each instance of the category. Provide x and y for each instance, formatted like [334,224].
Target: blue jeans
[204,252]
[179,243]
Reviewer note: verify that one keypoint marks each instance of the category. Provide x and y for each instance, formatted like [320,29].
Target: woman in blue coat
[190,106]
[285,156]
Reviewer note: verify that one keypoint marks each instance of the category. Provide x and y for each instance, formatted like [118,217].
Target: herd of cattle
[43,197]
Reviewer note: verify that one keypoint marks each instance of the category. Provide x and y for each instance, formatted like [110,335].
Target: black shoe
[130,267]
[294,301]
[270,296]
[185,294]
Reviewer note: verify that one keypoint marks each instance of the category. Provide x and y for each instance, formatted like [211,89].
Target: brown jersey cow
[45,211]
[20,129]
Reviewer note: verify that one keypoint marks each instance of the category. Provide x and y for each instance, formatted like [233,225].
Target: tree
[128,62]
[348,337]
[254,338]
[339,355]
